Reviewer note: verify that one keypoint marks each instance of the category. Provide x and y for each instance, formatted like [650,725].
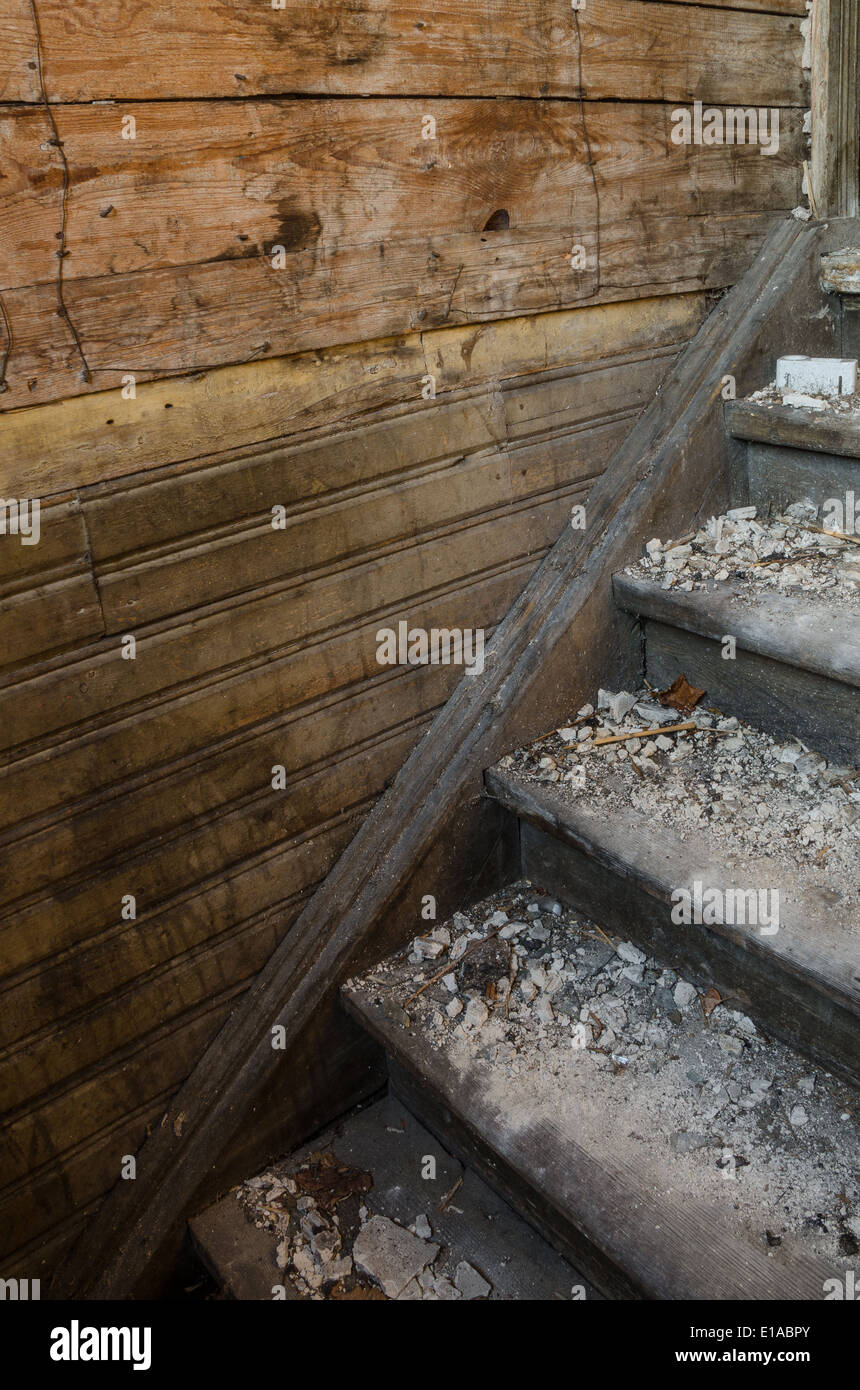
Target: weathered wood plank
[773,6]
[43,1198]
[156,509]
[62,543]
[789,702]
[227,181]
[218,845]
[125,519]
[182,812]
[164,806]
[41,1252]
[103,1097]
[104,48]
[48,618]
[70,983]
[772,477]
[330,1066]
[840,271]
[158,1000]
[48,599]
[267,628]
[199,317]
[795,630]
[564,404]
[794,428]
[374,522]
[88,439]
[158,296]
[218,710]
[835,151]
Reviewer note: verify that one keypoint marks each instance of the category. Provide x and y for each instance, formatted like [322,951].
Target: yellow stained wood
[80,441]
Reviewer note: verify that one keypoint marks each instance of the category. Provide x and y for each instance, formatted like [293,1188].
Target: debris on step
[844,405]
[341,1217]
[724,1115]
[680,695]
[840,271]
[469,1282]
[799,552]
[391,1256]
[758,797]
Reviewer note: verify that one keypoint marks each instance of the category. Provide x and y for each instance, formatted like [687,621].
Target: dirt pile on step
[605,1040]
[756,797]
[792,553]
[332,1246]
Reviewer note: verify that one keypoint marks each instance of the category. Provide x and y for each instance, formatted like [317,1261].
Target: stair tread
[840,271]
[822,431]
[386,1141]
[625,1148]
[801,630]
[621,821]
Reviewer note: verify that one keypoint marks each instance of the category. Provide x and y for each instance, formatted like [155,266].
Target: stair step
[797,666]
[840,271]
[691,1158]
[831,431]
[794,454]
[619,844]
[468,1222]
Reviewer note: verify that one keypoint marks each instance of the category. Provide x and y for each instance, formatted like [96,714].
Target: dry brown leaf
[341,1293]
[710,999]
[329,1181]
[680,695]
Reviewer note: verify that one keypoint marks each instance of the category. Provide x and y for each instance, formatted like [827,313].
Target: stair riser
[453,1130]
[780,699]
[771,477]
[633,907]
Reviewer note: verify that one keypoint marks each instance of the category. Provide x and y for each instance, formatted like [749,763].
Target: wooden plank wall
[304,387]
[305,128]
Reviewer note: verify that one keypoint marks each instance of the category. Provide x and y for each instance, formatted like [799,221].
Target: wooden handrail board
[556,639]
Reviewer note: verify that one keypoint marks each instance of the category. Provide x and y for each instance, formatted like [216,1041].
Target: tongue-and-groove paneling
[255,647]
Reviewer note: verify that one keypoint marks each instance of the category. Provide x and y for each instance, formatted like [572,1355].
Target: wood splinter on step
[644,733]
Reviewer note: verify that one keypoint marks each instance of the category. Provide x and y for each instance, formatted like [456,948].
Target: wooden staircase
[579,1158]
[629,1164]
[650,1163]
[621,1204]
